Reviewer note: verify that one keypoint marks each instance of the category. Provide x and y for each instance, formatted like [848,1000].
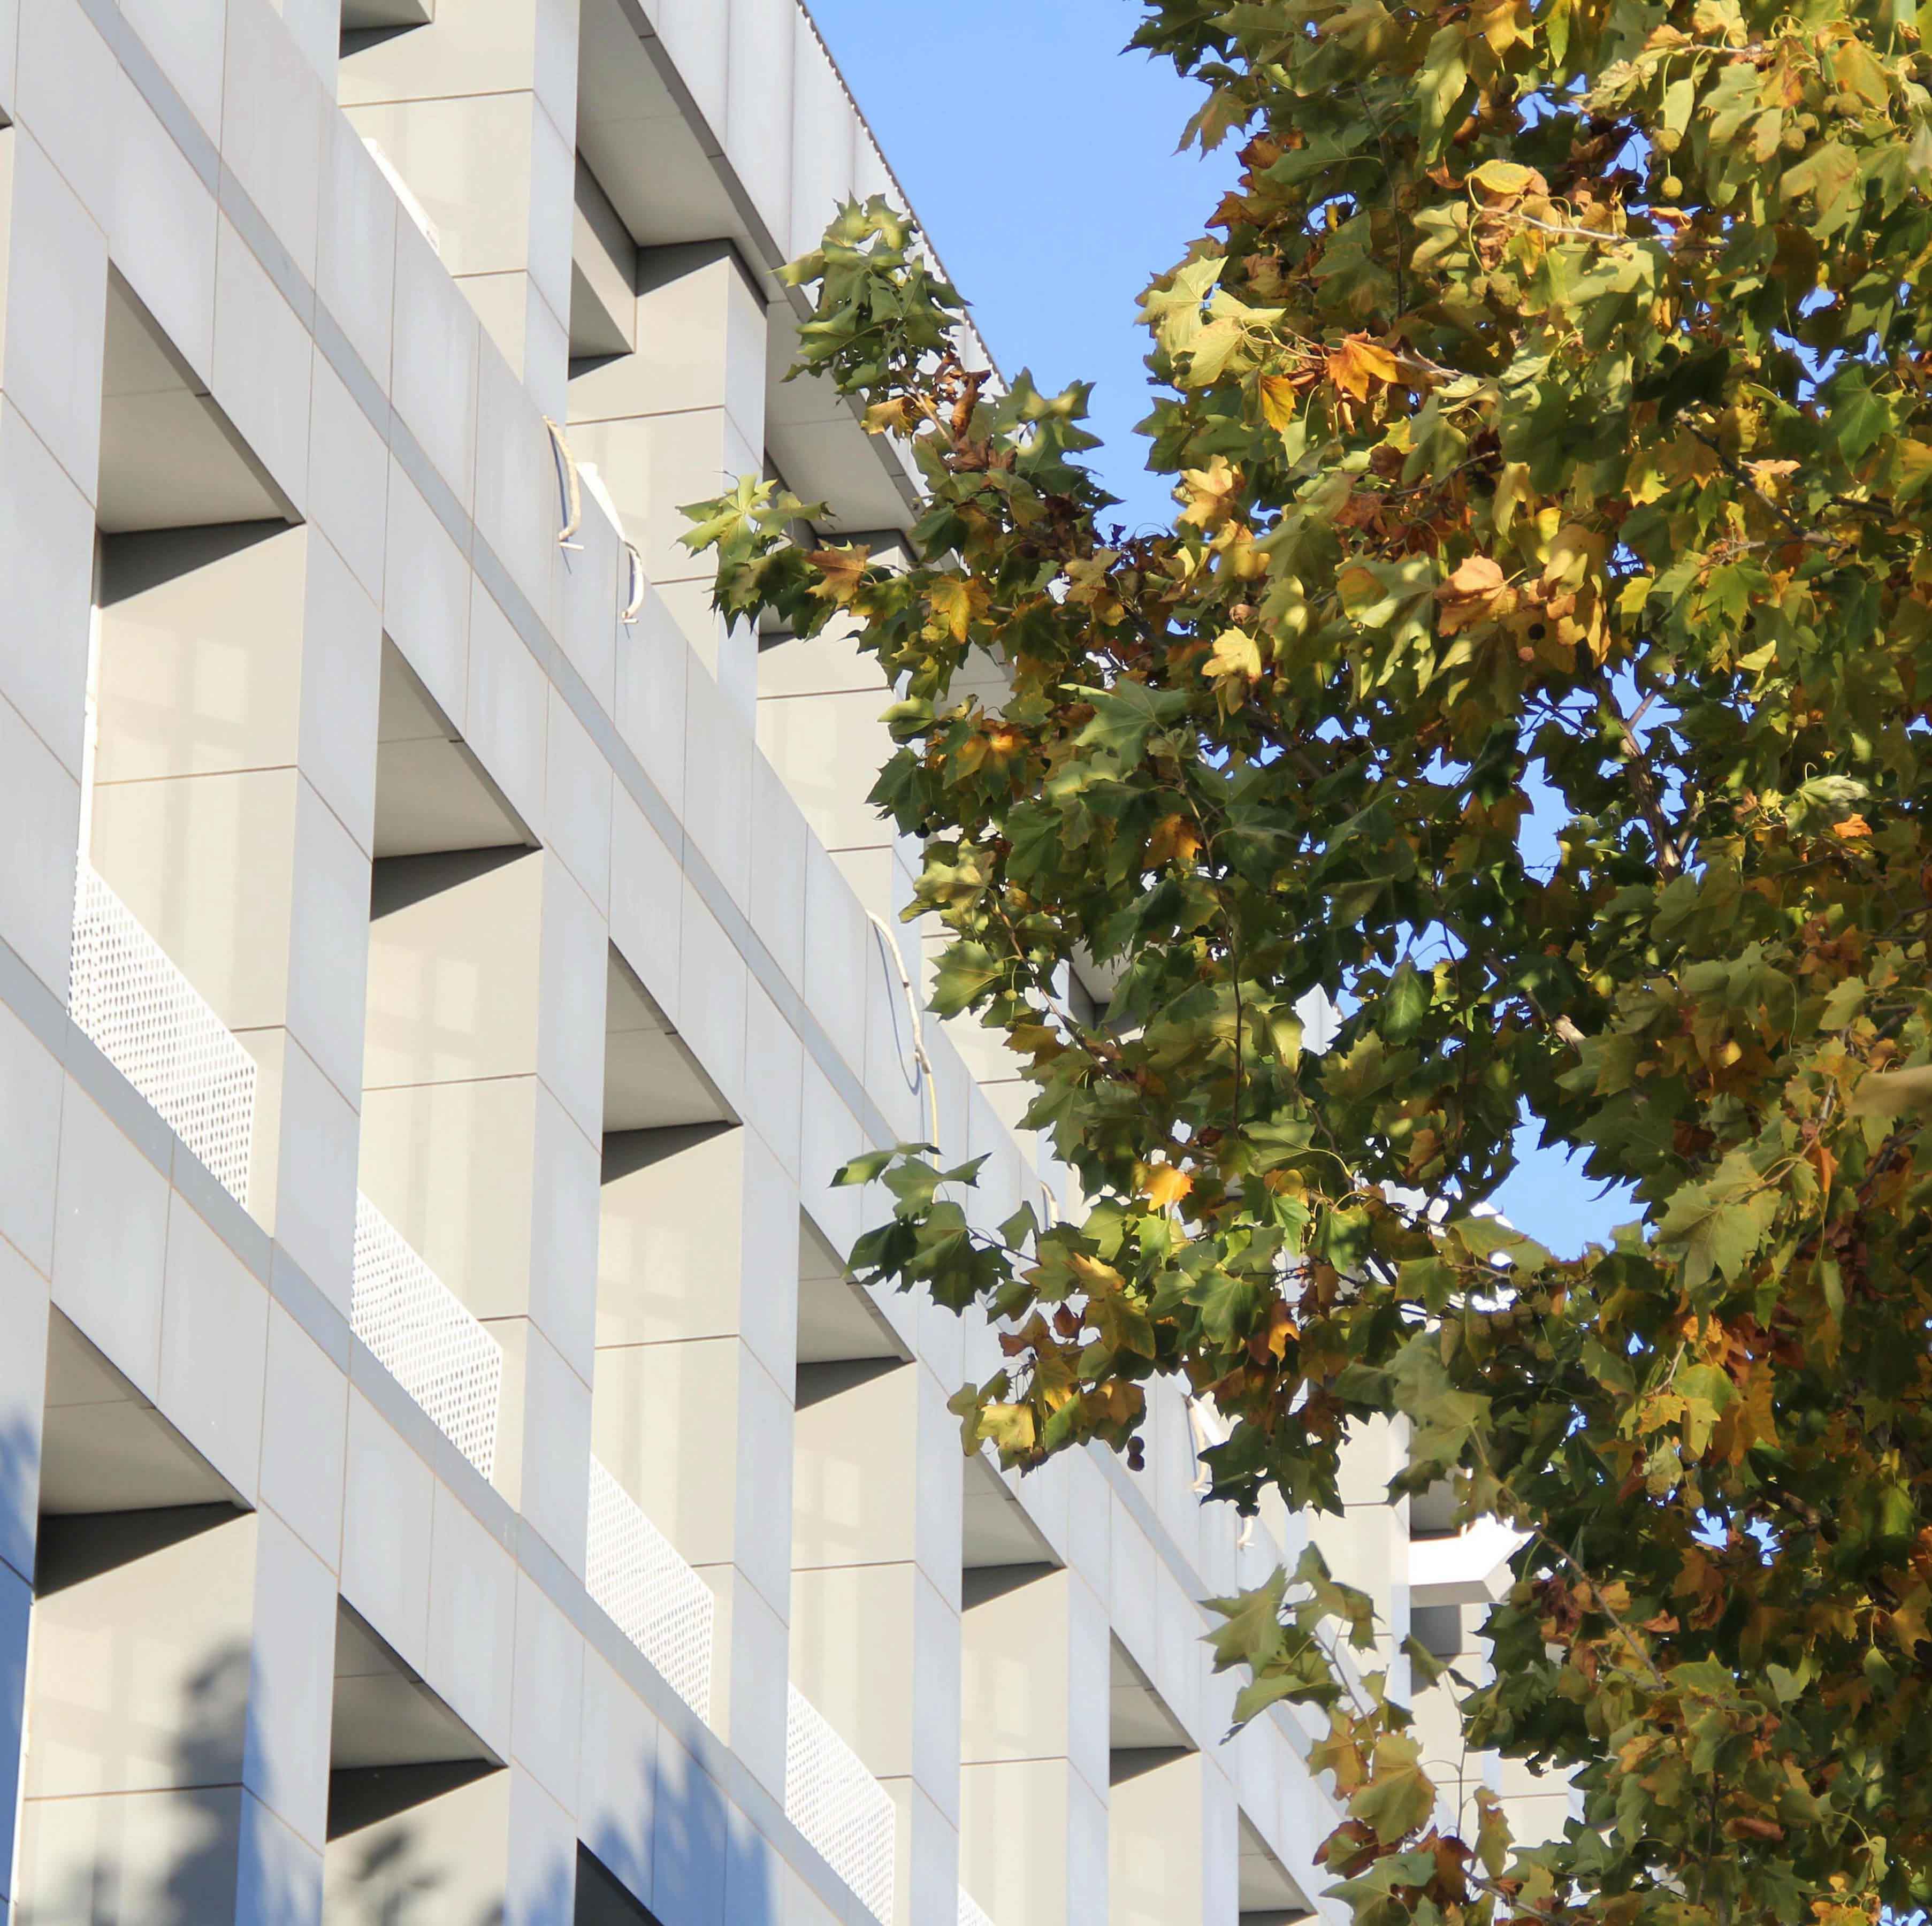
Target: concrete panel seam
[303,1299]
[34,1003]
[460,1478]
[219,1211]
[261,240]
[336,349]
[136,1119]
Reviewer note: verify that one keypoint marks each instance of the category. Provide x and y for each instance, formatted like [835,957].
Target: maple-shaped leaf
[1252,1632]
[1475,591]
[1235,653]
[1719,1224]
[1174,839]
[1492,1833]
[1164,1185]
[1504,181]
[1397,1798]
[1280,400]
[965,973]
[1356,363]
[1339,1750]
[1125,716]
[1516,733]
[1209,493]
[841,570]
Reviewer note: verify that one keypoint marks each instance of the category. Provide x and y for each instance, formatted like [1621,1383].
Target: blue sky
[1041,159]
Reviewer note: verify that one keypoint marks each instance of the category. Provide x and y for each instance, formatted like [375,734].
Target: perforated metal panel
[971,1912]
[421,1330]
[838,1806]
[653,1597]
[151,1023]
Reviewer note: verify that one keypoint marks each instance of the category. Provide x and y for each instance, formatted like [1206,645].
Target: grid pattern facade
[148,1021]
[654,1598]
[838,1805]
[419,1329]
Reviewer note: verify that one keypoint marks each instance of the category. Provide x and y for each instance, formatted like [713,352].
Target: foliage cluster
[1538,662]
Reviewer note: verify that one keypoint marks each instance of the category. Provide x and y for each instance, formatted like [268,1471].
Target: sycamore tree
[1538,663]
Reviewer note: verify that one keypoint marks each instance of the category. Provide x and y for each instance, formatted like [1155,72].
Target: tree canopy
[1537,663]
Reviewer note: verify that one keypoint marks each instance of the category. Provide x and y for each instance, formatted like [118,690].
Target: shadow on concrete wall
[177,1856]
[691,1851]
[19,1493]
[215,1856]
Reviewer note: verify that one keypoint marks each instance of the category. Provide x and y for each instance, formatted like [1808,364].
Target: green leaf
[1400,1798]
[1125,716]
[1406,1002]
[966,972]
[1252,1632]
[1718,1226]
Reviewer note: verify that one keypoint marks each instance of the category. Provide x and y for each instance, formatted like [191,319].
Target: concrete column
[483,1071]
[476,110]
[177,1710]
[30,1084]
[678,420]
[875,1636]
[1174,1832]
[53,297]
[696,1303]
[231,808]
[316,27]
[1033,1828]
[53,293]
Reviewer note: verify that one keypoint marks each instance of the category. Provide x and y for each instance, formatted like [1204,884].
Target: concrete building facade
[446,1475]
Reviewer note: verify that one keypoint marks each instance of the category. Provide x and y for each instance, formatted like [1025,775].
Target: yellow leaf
[1908,1622]
[1095,1275]
[1163,1185]
[1209,492]
[1860,73]
[1358,361]
[1914,461]
[1175,839]
[1341,1753]
[1278,400]
[1240,557]
[951,601]
[1236,653]
[1503,23]
[1851,828]
[1476,591]
[889,417]
[1282,1330]
[1505,181]
[1572,556]
[1359,587]
[1512,484]
[1009,1429]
